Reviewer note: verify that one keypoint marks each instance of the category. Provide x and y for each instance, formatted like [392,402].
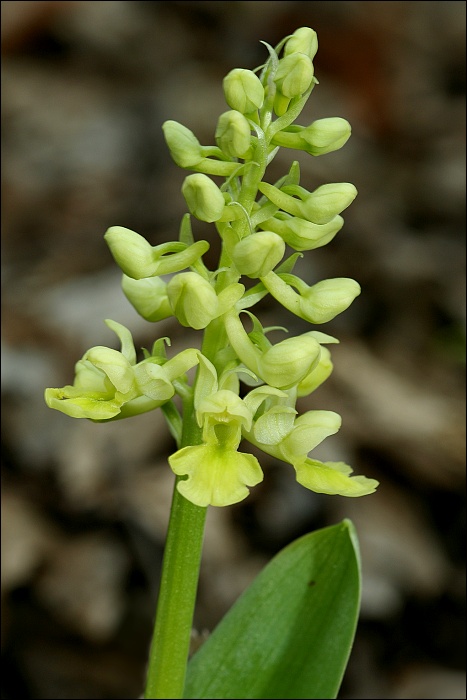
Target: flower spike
[256,223]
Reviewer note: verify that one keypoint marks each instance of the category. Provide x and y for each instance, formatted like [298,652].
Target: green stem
[179,582]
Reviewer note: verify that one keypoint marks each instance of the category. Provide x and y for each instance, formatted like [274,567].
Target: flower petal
[92,405]
[333,478]
[309,430]
[216,476]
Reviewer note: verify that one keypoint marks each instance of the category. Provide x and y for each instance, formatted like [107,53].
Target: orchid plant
[290,634]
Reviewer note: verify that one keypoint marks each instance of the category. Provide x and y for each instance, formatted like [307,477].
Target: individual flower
[303,40]
[280,433]
[203,197]
[319,303]
[138,259]
[319,206]
[321,137]
[217,474]
[259,253]
[282,365]
[233,134]
[300,234]
[243,90]
[184,147]
[294,74]
[293,77]
[104,381]
[110,384]
[194,301]
[187,152]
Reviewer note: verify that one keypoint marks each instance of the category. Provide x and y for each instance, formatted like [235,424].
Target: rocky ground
[86,87]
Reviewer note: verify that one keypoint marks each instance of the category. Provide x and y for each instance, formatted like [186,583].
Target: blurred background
[86,88]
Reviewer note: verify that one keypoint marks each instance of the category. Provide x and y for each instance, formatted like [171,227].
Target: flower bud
[148,296]
[294,75]
[328,298]
[321,137]
[194,302]
[282,365]
[258,253]
[319,206]
[138,259]
[288,362]
[203,197]
[327,201]
[326,135]
[131,252]
[317,304]
[233,134]
[184,147]
[302,235]
[303,40]
[243,90]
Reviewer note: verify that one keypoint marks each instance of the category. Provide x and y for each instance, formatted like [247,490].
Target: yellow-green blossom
[280,433]
[217,474]
[110,384]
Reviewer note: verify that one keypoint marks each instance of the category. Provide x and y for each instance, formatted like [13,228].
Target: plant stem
[179,582]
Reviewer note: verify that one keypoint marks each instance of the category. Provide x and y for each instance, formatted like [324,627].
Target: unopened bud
[328,298]
[319,206]
[327,201]
[184,147]
[243,90]
[205,200]
[321,137]
[194,302]
[233,134]
[287,363]
[303,40]
[130,251]
[294,75]
[326,135]
[258,253]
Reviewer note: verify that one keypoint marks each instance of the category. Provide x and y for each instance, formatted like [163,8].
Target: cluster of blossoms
[256,221]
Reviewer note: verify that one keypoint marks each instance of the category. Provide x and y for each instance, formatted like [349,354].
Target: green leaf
[289,635]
